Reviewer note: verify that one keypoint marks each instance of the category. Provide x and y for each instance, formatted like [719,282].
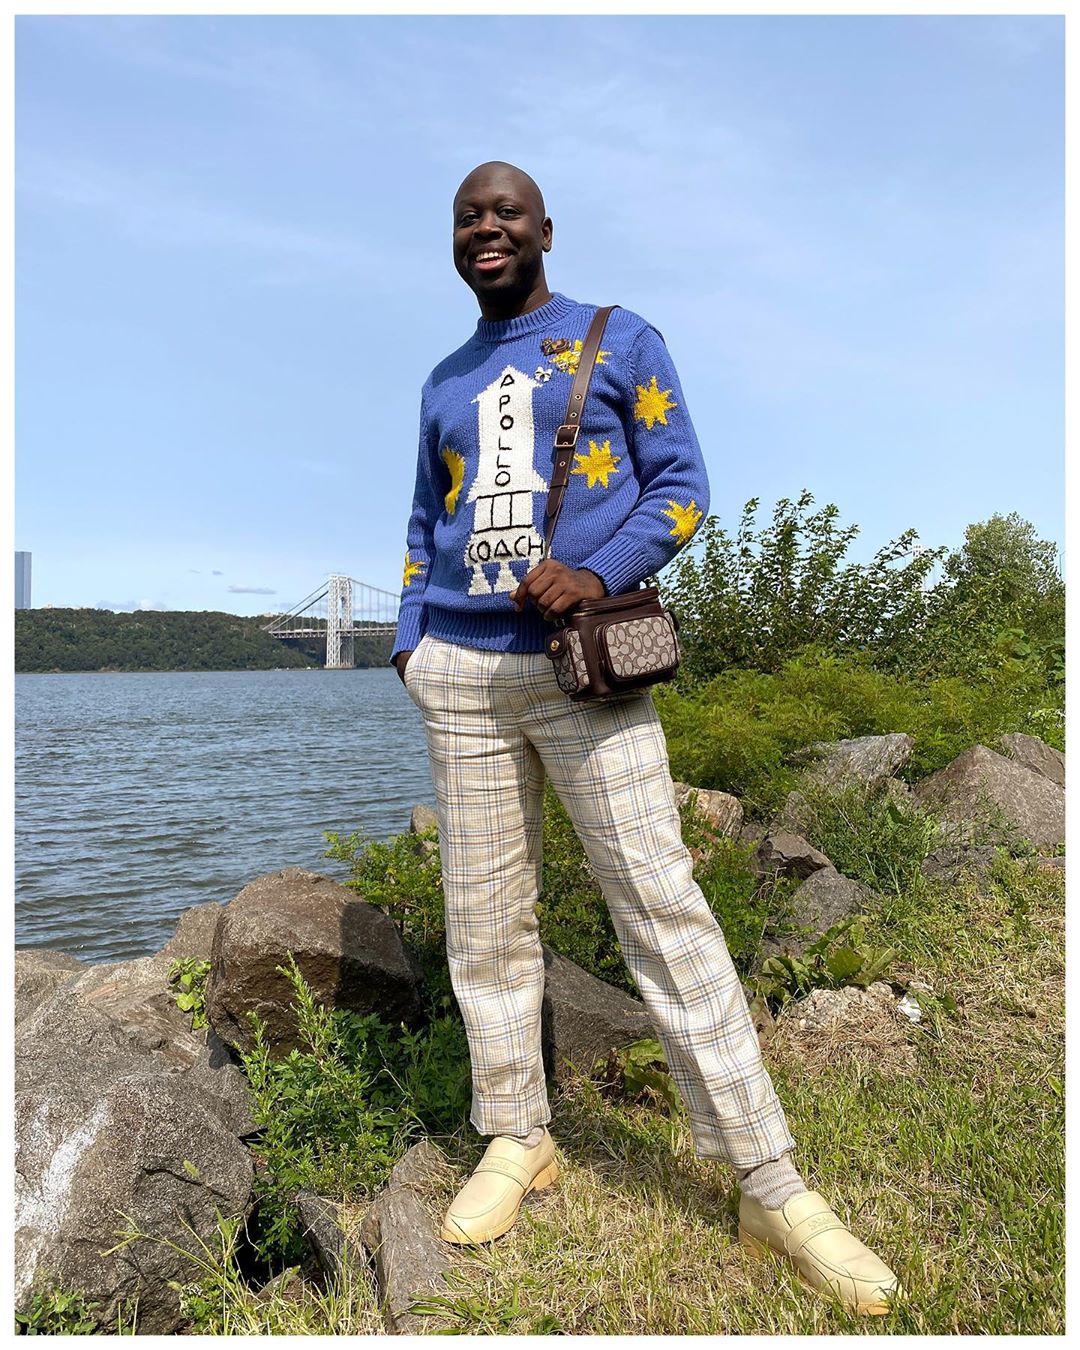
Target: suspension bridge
[340,611]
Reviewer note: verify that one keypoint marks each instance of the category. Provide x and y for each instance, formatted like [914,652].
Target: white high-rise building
[22,581]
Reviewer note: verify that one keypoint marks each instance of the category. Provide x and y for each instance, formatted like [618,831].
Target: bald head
[501,234]
[499,171]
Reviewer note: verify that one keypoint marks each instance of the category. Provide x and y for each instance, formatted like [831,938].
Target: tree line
[58,640]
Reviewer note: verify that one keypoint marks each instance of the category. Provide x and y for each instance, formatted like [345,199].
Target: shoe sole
[760,1249]
[540,1182]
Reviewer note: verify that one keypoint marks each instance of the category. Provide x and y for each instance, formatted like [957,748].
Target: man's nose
[488,225]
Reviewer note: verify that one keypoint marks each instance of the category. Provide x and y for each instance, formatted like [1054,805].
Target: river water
[139,795]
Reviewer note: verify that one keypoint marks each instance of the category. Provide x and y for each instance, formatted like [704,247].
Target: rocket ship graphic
[503,530]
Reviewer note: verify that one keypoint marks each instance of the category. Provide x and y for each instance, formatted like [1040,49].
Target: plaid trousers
[494,722]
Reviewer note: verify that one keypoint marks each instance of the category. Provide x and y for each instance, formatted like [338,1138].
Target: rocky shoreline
[123,1113]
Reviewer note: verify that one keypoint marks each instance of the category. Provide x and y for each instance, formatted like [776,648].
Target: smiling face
[500,237]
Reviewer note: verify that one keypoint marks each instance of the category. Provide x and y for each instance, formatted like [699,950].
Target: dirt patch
[833,1028]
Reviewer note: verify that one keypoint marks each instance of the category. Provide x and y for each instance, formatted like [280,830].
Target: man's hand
[400,662]
[555,588]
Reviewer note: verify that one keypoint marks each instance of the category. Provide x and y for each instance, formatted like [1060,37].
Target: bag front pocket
[636,647]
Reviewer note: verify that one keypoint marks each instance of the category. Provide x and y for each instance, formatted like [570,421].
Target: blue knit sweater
[488,415]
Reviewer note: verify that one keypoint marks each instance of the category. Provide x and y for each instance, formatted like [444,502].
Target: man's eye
[466,219]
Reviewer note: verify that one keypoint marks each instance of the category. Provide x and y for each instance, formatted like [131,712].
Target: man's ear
[548,230]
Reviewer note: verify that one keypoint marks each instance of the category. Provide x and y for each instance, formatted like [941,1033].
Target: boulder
[194,935]
[723,811]
[979,783]
[870,760]
[1035,755]
[865,759]
[752,833]
[949,861]
[583,1019]
[119,1111]
[422,819]
[38,972]
[401,1230]
[824,898]
[323,1227]
[789,854]
[349,952]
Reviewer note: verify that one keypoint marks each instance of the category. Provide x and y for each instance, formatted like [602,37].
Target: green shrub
[869,835]
[758,599]
[741,730]
[768,595]
[840,956]
[188,975]
[58,1312]
[335,1116]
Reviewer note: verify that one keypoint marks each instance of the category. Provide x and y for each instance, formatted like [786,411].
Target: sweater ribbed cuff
[619,564]
[410,630]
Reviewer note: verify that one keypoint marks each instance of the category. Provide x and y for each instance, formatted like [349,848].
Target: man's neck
[514,306]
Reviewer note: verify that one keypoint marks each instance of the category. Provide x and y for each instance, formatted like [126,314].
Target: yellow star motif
[685,518]
[412,569]
[456,464]
[569,361]
[597,464]
[652,404]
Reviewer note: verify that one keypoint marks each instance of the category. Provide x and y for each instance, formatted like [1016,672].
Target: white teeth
[483,257]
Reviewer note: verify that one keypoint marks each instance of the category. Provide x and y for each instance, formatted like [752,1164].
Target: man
[469,648]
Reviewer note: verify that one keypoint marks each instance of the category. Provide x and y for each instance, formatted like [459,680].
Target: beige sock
[773,1183]
[531,1139]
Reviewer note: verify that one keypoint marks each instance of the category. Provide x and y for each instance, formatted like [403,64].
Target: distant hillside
[98,639]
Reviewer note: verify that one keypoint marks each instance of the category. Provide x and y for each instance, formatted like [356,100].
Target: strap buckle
[569,440]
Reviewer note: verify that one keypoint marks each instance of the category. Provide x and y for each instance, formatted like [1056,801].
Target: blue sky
[233,271]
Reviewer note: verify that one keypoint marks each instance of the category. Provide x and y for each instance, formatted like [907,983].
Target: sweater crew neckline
[503,330]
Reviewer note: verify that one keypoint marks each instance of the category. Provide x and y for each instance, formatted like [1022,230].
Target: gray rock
[38,972]
[752,832]
[322,1226]
[978,783]
[1035,755]
[349,952]
[583,1019]
[423,818]
[400,1232]
[194,935]
[869,760]
[950,861]
[110,1123]
[723,811]
[1056,863]
[900,792]
[135,996]
[790,855]
[865,759]
[823,899]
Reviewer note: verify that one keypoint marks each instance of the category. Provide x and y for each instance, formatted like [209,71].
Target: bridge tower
[339,624]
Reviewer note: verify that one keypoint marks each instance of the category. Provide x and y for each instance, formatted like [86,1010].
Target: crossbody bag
[607,646]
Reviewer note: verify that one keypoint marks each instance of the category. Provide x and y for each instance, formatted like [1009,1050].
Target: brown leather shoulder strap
[566,436]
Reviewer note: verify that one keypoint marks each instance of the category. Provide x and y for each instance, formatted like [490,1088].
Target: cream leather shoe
[828,1258]
[488,1203]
